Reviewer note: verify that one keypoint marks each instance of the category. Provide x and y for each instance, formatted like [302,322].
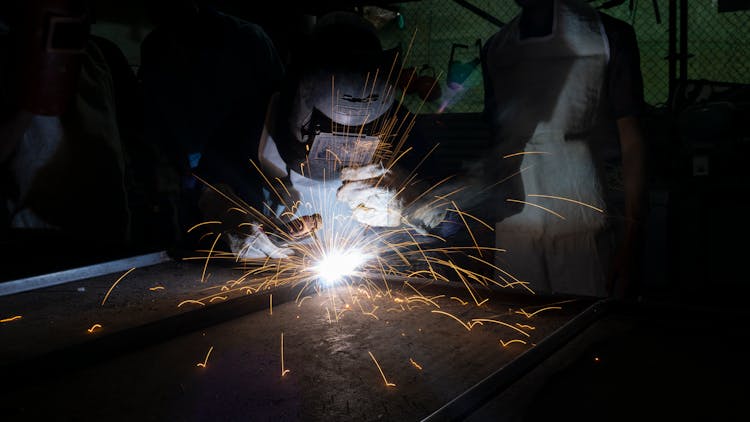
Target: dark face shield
[331,152]
[336,113]
[351,99]
[342,121]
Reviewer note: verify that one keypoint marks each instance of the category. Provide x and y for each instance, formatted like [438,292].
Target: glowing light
[537,206]
[336,265]
[494,321]
[203,224]
[203,276]
[506,343]
[416,365]
[283,371]
[515,154]
[115,284]
[468,328]
[155,288]
[387,384]
[529,315]
[94,327]
[197,302]
[567,199]
[205,361]
[13,318]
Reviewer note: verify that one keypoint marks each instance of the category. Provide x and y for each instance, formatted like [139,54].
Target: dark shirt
[624,77]
[206,85]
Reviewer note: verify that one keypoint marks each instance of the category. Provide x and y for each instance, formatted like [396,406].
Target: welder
[334,138]
[63,150]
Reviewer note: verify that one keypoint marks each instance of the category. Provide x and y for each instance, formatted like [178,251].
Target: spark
[524,153]
[203,224]
[506,343]
[94,327]
[13,318]
[468,328]
[155,288]
[423,300]
[115,283]
[387,384]
[208,257]
[270,304]
[473,239]
[528,327]
[416,365]
[494,321]
[218,298]
[566,199]
[205,235]
[283,371]
[535,205]
[191,301]
[205,361]
[462,302]
[371,313]
[529,315]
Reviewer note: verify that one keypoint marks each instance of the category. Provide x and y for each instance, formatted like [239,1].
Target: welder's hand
[304,226]
[369,196]
[426,216]
[257,245]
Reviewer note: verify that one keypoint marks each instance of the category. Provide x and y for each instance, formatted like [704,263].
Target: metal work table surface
[172,342]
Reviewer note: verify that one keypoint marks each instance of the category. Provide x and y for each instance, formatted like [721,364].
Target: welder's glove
[372,200]
[426,215]
[256,245]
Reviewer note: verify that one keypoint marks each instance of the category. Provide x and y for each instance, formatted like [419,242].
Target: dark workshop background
[695,61]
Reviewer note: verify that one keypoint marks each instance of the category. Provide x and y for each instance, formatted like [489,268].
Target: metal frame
[476,396]
[81,273]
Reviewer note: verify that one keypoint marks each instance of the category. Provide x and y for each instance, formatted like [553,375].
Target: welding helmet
[333,116]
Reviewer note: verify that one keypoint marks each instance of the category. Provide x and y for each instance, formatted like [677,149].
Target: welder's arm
[623,272]
[245,233]
[379,197]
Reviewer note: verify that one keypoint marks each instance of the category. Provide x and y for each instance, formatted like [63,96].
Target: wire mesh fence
[718,43]
[439,36]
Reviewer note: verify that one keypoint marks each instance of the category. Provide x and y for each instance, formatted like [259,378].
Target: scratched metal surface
[57,316]
[431,343]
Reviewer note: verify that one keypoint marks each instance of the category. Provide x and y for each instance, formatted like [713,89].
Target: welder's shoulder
[500,37]
[241,28]
[619,33]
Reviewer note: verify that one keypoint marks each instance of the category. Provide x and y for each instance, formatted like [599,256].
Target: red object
[424,83]
[52,37]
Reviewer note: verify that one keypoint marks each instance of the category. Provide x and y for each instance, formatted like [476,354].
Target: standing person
[207,77]
[563,95]
[63,141]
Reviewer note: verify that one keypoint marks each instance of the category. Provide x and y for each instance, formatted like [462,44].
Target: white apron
[550,106]
[306,196]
